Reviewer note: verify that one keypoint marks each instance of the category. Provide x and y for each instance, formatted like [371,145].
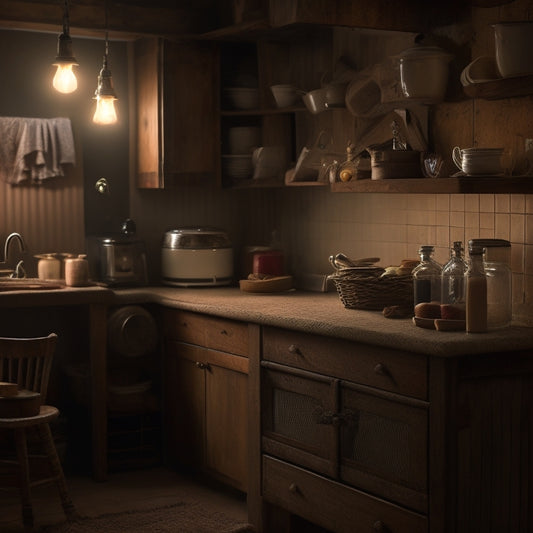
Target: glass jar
[476,292]
[427,277]
[453,276]
[499,294]
[499,281]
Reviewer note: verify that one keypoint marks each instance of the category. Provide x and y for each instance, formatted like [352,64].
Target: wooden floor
[122,491]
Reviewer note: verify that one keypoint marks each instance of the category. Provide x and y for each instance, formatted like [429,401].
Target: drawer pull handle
[202,366]
[294,349]
[380,527]
[223,332]
[293,488]
[381,369]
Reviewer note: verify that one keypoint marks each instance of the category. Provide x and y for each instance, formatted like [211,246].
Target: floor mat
[187,517]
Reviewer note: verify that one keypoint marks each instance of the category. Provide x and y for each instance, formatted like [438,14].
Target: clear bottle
[476,292]
[453,276]
[427,277]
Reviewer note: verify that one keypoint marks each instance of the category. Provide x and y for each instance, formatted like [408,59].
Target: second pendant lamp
[105,94]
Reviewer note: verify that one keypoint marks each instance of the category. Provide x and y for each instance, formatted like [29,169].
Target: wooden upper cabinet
[255,17]
[176,106]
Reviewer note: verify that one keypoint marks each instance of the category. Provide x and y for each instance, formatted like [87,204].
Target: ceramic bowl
[242,97]
[285,95]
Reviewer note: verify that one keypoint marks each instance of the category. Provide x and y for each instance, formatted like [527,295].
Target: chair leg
[21,446]
[57,471]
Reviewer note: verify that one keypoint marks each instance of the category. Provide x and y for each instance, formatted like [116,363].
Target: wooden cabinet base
[333,505]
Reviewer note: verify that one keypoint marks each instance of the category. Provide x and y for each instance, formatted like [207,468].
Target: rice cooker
[196,257]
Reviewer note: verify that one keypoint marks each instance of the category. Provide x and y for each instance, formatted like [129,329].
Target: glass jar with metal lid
[497,258]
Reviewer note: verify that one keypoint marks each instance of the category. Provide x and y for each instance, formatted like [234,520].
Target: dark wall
[26,90]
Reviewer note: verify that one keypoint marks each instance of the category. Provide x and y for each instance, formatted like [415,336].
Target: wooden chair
[27,362]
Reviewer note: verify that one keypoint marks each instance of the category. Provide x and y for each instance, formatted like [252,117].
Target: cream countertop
[324,314]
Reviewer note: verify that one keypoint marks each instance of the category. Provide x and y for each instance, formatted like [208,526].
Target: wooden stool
[27,362]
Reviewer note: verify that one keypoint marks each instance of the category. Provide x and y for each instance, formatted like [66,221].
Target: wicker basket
[364,289]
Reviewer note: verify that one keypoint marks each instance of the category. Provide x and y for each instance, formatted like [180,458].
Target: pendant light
[64,79]
[105,94]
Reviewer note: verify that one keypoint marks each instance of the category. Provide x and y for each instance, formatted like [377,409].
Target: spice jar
[77,271]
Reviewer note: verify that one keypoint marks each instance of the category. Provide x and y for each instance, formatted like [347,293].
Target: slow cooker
[196,257]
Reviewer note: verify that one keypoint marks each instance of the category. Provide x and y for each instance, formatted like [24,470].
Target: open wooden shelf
[501,88]
[264,111]
[462,185]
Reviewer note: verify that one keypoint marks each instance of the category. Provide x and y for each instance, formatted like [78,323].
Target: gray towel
[35,149]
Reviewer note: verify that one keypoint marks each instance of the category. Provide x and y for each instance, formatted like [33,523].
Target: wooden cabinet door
[176,105]
[383,444]
[184,407]
[148,106]
[226,418]
[299,417]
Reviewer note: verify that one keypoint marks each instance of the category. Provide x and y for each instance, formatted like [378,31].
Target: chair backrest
[27,362]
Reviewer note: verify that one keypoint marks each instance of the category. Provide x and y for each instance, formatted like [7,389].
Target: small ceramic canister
[76,271]
[48,267]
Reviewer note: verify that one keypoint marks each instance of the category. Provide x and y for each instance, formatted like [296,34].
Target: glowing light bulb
[65,80]
[105,110]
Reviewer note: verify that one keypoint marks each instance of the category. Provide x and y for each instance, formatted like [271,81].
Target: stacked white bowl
[242,140]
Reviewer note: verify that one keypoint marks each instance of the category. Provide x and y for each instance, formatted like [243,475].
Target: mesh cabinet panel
[378,443]
[295,416]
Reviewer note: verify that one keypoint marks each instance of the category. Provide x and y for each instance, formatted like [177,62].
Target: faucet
[18,271]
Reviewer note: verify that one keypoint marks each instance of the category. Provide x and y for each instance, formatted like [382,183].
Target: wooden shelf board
[245,30]
[464,185]
[269,111]
[253,184]
[306,184]
[502,88]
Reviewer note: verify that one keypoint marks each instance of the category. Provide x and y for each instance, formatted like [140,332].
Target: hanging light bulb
[64,79]
[105,94]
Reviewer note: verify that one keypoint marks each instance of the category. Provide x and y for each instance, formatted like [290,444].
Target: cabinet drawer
[391,370]
[333,505]
[211,332]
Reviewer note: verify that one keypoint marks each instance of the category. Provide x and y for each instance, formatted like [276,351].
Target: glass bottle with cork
[453,277]
[476,292]
[427,277]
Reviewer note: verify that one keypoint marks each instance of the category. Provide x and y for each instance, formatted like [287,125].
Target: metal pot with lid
[196,256]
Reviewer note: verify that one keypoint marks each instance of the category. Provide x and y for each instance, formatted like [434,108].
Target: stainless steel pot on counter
[117,260]
[196,256]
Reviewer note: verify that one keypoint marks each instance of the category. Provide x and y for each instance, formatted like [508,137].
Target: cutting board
[276,284]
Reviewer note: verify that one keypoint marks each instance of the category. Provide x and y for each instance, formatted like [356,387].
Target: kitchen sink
[28,284]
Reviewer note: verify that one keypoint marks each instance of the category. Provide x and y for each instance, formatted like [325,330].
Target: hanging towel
[37,150]
[10,135]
